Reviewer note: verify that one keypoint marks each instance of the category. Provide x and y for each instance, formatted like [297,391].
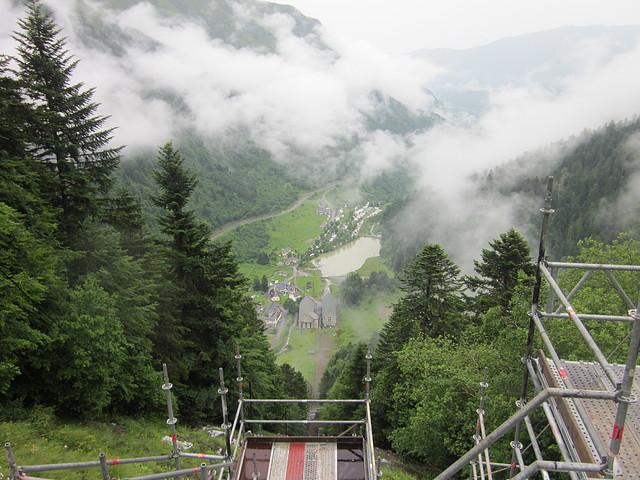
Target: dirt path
[325,345]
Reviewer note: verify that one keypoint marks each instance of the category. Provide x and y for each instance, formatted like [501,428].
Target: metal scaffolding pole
[593,346]
[517,418]
[558,433]
[627,396]
[480,429]
[226,426]
[534,444]
[239,381]
[557,467]
[171,421]
[546,214]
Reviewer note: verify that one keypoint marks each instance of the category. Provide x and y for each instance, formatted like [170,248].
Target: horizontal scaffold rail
[594,266]
[309,422]
[202,470]
[71,466]
[301,400]
[550,466]
[584,316]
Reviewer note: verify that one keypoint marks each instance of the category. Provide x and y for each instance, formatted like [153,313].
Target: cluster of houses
[361,214]
[273,315]
[330,213]
[283,289]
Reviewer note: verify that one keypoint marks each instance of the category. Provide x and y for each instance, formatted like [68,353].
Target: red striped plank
[295,465]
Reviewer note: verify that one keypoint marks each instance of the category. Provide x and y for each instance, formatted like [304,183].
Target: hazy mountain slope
[595,178]
[544,59]
[235,22]
[253,84]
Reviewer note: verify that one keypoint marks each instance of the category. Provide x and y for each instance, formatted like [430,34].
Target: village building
[308,318]
[314,315]
[284,289]
[329,311]
[273,315]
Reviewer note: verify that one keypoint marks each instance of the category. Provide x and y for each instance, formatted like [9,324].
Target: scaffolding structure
[580,400]
[353,455]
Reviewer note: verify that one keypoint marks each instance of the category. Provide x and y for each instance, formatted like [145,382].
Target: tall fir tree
[66,134]
[432,305]
[499,271]
[203,314]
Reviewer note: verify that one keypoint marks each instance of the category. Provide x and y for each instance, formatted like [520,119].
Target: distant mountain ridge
[544,58]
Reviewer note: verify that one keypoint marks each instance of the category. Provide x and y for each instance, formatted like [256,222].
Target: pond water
[349,258]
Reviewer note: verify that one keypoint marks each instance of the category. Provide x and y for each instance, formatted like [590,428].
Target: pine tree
[14,113]
[205,310]
[432,287]
[66,134]
[431,306]
[499,271]
[27,274]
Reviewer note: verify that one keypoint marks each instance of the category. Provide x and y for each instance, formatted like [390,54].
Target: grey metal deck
[593,420]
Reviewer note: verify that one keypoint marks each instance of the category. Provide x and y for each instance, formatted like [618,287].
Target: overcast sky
[402,26]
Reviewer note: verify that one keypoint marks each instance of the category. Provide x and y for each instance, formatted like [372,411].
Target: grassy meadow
[41,439]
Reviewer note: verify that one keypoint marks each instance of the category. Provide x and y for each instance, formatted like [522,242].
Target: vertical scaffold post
[367,379]
[626,397]
[13,467]
[204,475]
[171,421]
[480,430]
[256,472]
[546,214]
[239,380]
[103,466]
[226,426]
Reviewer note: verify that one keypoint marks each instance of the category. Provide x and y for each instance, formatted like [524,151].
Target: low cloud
[173,77]
[518,120]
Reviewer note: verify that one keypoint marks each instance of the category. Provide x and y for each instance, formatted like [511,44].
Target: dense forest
[93,301]
[593,184]
[226,192]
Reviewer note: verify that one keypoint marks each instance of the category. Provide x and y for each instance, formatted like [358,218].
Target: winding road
[236,224]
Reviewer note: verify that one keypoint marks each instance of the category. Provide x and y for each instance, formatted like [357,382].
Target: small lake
[349,258]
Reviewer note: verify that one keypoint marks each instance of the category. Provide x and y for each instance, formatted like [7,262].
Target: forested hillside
[92,303]
[595,179]
[233,185]
[448,330]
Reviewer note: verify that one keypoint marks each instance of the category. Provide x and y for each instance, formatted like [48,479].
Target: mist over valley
[251,86]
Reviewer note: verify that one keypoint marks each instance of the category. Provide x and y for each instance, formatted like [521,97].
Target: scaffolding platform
[302,458]
[588,422]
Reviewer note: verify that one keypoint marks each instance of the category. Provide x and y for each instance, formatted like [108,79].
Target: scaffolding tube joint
[608,467]
[631,398]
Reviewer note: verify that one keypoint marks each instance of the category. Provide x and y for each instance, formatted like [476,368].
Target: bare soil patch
[325,346]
